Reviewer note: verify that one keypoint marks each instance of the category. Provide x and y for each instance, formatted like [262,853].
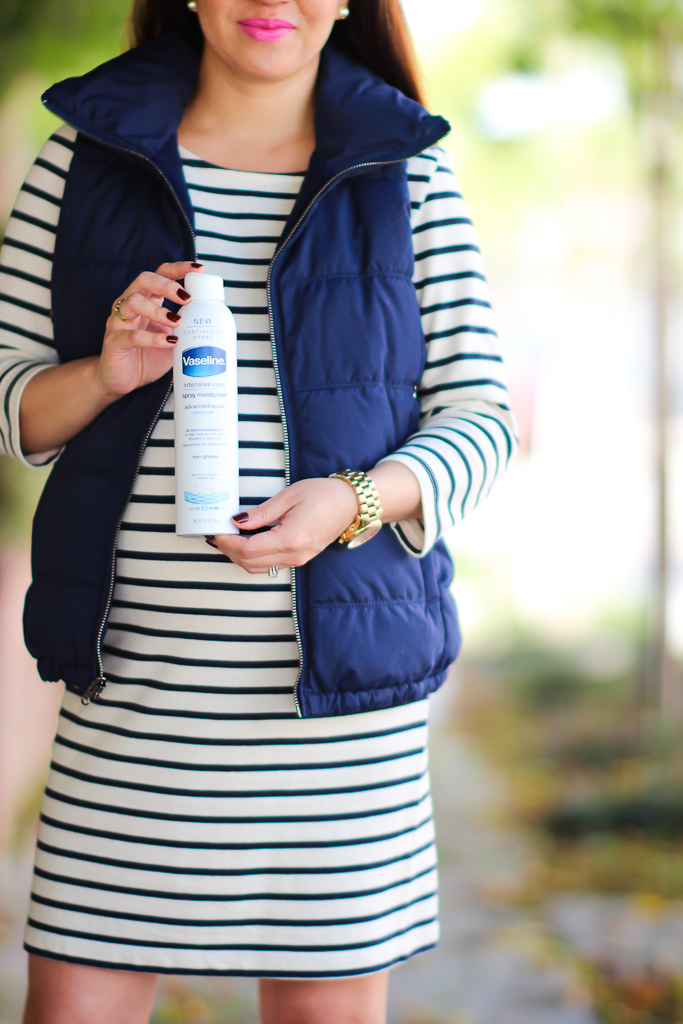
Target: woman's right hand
[60,401]
[140,350]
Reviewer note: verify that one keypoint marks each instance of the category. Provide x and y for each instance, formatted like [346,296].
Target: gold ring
[116,310]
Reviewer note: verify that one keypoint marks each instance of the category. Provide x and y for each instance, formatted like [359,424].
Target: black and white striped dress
[191,822]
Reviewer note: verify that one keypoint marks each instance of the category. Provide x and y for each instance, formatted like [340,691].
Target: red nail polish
[171,339]
[211,543]
[196,264]
[174,317]
[241,517]
[183,294]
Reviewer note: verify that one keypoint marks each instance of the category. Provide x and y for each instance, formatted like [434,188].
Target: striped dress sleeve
[25,287]
[467,433]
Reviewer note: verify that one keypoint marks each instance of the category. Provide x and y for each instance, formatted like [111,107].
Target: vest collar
[136,102]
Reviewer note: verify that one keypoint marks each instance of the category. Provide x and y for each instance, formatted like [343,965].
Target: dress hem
[318,975]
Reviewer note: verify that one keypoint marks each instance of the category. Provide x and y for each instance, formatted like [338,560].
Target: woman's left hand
[311,513]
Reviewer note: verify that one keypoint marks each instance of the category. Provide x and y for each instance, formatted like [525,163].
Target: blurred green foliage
[636,30]
[57,38]
[627,21]
[640,29]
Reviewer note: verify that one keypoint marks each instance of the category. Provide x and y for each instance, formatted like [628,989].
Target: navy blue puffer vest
[376,627]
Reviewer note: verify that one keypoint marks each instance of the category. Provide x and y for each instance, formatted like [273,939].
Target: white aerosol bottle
[205,397]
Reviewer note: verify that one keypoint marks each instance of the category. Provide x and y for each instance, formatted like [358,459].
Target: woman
[239,782]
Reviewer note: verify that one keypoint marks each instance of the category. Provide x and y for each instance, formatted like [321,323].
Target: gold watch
[368,522]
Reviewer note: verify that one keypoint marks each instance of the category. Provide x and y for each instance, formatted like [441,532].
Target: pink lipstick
[263,29]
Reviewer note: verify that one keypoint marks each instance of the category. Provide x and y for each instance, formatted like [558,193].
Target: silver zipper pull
[94,690]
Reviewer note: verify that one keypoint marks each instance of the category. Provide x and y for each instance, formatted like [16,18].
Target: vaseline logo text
[205,361]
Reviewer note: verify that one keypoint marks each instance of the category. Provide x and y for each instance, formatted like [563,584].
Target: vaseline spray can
[205,398]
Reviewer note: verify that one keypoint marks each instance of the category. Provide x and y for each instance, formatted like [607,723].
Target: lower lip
[264,34]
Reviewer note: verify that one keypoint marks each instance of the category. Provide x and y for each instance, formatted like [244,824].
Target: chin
[267,62]
[268,70]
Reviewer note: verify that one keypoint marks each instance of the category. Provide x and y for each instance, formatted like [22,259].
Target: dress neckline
[187,155]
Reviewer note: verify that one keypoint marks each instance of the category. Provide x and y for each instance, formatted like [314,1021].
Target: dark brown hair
[375,31]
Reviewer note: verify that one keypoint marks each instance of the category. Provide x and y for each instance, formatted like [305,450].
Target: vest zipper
[139,156]
[100,681]
[278,383]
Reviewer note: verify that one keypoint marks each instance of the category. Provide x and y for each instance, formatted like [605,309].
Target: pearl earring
[343,12]
[192,5]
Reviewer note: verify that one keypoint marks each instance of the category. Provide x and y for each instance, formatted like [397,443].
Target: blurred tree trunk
[664,679]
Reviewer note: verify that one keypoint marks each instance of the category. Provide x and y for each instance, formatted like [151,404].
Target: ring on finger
[273,571]
[116,309]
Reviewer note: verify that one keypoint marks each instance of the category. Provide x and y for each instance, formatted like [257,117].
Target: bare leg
[331,1001]
[64,993]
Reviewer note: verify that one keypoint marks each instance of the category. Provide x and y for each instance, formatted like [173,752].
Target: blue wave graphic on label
[204,361]
[212,498]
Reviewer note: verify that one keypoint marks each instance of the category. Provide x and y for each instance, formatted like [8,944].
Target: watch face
[366,533]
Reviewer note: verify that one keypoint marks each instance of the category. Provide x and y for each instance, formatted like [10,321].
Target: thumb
[265,514]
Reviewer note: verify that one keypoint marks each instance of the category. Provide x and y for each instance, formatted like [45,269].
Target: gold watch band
[369,507]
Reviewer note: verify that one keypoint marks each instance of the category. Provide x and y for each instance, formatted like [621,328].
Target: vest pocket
[428,568]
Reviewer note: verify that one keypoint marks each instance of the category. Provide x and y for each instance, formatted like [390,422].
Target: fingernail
[171,339]
[242,517]
[182,294]
[196,264]
[174,317]
[211,543]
